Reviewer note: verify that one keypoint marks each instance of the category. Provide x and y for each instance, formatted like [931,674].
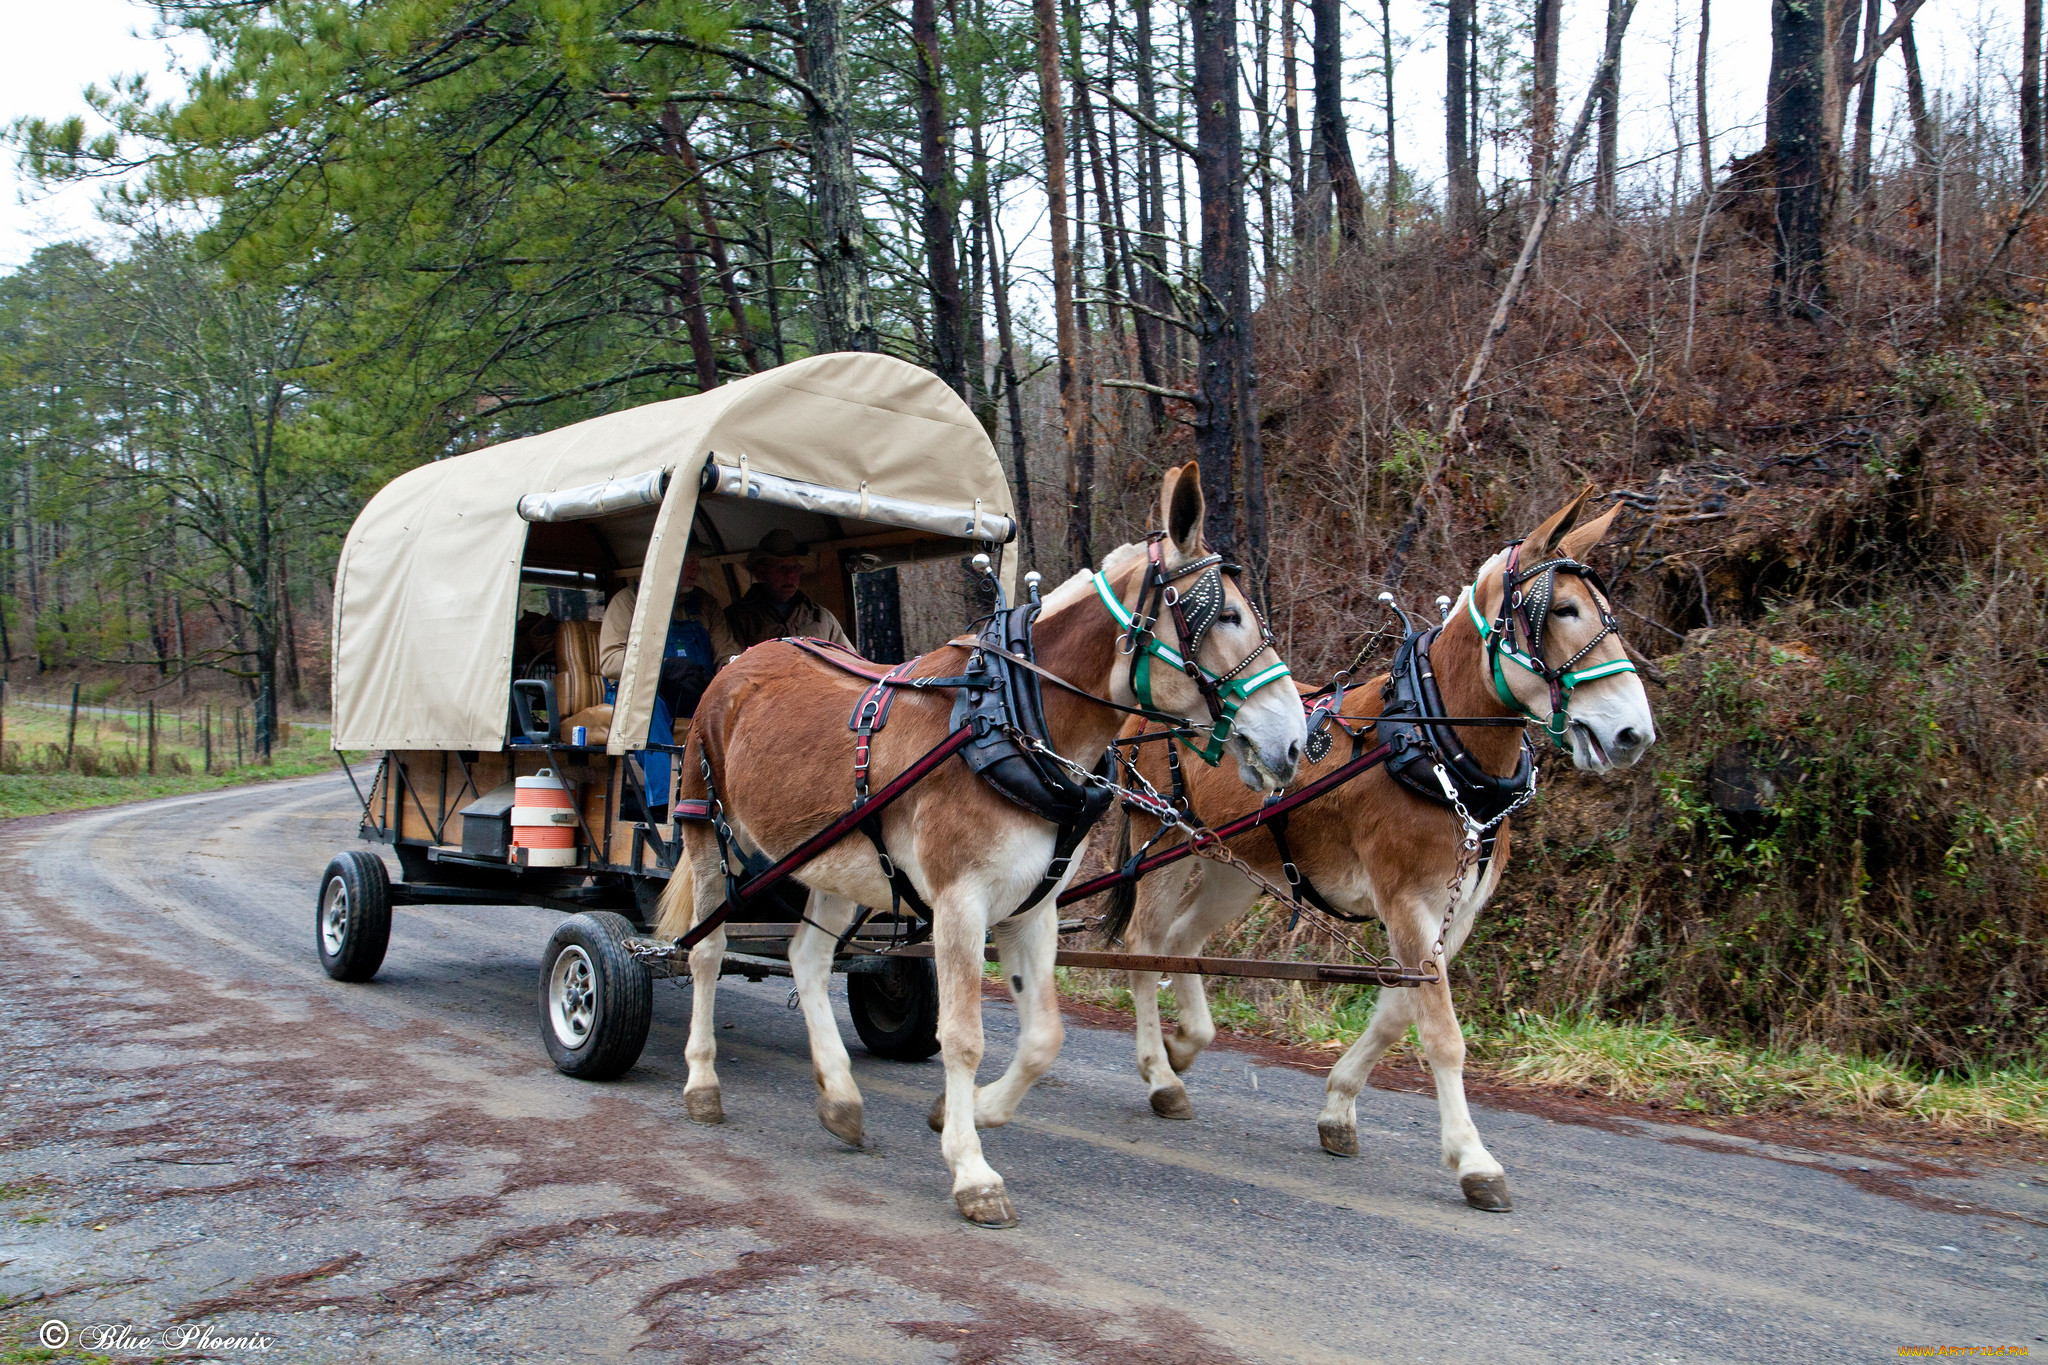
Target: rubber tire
[366,930]
[896,1011]
[624,998]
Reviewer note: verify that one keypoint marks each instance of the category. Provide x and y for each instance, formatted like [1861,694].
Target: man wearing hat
[776,605]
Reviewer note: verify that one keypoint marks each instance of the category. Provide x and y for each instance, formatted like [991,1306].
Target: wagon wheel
[596,1002]
[896,1008]
[352,916]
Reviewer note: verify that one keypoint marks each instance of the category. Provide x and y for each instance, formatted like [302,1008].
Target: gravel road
[198,1128]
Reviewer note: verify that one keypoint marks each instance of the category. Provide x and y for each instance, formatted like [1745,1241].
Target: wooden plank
[1327,973]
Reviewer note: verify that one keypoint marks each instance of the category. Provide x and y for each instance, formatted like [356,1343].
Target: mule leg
[1026,943]
[1337,1125]
[810,964]
[956,945]
[1169,1097]
[1212,897]
[700,1093]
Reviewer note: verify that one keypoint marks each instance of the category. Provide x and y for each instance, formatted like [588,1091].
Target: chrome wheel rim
[334,917]
[572,997]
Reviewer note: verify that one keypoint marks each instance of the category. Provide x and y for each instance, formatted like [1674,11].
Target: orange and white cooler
[544,821]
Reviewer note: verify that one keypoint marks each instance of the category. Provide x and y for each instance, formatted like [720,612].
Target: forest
[1805,354]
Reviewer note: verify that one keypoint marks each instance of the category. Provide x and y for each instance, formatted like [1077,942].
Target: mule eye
[1229,617]
[1568,612]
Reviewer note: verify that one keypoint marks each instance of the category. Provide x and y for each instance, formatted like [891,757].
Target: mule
[772,728]
[1373,847]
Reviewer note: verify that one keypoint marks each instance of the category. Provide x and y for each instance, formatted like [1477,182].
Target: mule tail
[676,913]
[1123,897]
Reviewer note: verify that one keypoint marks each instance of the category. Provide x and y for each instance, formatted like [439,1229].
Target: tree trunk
[1543,93]
[1866,112]
[1387,82]
[1795,130]
[714,241]
[935,176]
[1081,477]
[1329,77]
[1290,85]
[2033,149]
[696,321]
[1151,248]
[1052,117]
[843,320]
[1227,419]
[1262,113]
[999,297]
[1699,83]
[1607,160]
[1461,193]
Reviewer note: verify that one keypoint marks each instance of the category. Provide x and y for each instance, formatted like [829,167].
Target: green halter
[1226,693]
[1532,611]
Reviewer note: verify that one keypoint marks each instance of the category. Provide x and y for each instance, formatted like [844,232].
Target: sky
[58,47]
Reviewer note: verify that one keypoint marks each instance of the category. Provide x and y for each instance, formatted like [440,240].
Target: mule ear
[1181,508]
[1542,542]
[1582,538]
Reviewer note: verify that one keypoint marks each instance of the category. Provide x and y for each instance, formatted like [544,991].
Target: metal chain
[1203,840]
[1468,850]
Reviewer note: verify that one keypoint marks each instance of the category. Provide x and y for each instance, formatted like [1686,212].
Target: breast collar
[1410,702]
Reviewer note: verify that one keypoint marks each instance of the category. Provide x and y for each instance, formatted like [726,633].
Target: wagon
[465,662]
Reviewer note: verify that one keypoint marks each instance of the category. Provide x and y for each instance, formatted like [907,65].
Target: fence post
[3,724]
[238,736]
[206,727]
[71,734]
[152,738]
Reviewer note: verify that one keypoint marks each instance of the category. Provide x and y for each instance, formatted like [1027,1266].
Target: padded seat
[579,687]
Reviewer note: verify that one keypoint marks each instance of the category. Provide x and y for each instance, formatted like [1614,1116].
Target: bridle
[1530,612]
[1194,612]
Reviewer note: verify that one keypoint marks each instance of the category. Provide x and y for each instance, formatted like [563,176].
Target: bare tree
[2033,152]
[844,323]
[1461,197]
[935,181]
[1607,159]
[1052,117]
[1545,21]
[1330,122]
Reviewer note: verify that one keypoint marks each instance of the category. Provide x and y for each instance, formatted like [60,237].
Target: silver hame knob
[1387,597]
[981,563]
[1033,579]
[1443,605]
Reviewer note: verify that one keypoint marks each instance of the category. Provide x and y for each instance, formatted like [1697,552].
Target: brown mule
[773,728]
[1374,847]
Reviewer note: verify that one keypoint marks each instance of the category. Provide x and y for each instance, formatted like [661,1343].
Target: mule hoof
[1172,1103]
[842,1119]
[704,1106]
[936,1119]
[987,1208]
[1487,1192]
[1339,1139]
[1181,1054]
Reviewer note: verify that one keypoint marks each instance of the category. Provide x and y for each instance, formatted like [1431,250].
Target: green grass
[109,760]
[1684,1071]
[1687,1071]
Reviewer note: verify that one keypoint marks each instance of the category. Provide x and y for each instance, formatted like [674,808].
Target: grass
[109,759]
[1679,1070]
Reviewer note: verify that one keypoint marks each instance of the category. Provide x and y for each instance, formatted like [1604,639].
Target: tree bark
[935,180]
[1387,83]
[1543,93]
[999,298]
[1052,118]
[1290,85]
[1606,169]
[1329,78]
[1151,248]
[1866,113]
[1699,90]
[714,242]
[1461,195]
[844,323]
[1795,130]
[690,300]
[2033,148]
[1226,427]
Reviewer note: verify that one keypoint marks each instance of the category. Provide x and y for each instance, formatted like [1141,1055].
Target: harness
[998,727]
[1194,612]
[1530,611]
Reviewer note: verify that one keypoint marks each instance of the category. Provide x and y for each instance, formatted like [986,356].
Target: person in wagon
[698,641]
[776,605]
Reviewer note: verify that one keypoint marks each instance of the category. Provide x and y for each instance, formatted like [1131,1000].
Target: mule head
[1231,646]
[1610,724]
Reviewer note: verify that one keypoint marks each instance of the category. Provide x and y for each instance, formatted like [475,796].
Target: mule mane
[1082,585]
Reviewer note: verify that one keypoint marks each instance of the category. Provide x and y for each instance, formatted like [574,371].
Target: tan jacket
[618,627]
[753,619]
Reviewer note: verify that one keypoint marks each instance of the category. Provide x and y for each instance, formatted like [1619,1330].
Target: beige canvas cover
[426,595]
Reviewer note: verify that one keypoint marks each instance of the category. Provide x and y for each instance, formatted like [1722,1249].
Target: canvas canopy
[426,595]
